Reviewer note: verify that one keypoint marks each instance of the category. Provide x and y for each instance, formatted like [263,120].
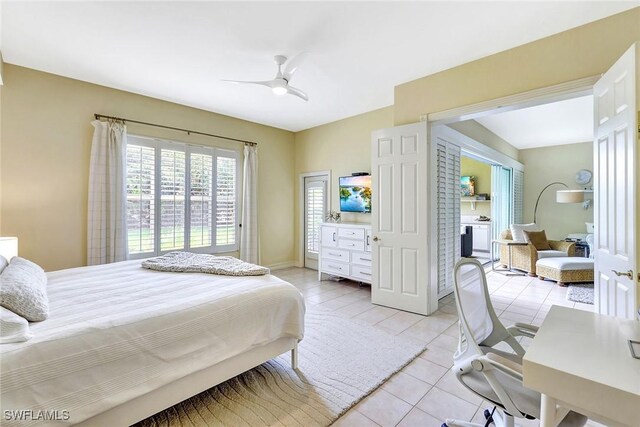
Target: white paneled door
[399,218]
[315,207]
[615,186]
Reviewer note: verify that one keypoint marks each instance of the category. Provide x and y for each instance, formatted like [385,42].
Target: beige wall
[342,147]
[581,52]
[482,173]
[549,164]
[46,141]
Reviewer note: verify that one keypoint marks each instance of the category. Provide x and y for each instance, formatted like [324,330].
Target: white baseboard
[282,265]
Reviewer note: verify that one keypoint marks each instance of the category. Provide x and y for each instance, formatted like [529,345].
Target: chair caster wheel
[444,425]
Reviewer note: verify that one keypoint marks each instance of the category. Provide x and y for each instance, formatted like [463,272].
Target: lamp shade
[8,247]
[570,196]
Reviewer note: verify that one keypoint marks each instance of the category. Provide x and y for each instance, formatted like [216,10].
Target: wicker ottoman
[565,270]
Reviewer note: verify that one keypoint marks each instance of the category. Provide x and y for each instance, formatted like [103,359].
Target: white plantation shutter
[180,197]
[226,200]
[172,200]
[141,198]
[200,200]
[448,204]
[518,197]
[315,213]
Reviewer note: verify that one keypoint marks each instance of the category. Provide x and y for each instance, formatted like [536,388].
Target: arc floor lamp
[563,196]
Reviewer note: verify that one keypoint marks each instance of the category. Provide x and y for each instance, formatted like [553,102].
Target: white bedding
[118,331]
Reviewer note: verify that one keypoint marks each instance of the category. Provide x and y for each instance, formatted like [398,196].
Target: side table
[509,271]
[582,249]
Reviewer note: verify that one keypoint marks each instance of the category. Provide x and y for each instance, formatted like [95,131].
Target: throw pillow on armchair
[537,239]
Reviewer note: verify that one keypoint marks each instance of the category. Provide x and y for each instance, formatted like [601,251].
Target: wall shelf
[473,202]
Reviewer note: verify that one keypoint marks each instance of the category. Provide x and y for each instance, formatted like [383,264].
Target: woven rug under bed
[341,361]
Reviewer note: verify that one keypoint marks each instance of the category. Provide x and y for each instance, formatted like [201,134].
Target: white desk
[581,361]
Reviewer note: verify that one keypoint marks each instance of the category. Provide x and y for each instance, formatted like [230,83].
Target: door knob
[375,238]
[629,274]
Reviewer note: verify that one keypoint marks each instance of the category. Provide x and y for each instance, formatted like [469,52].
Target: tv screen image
[355,193]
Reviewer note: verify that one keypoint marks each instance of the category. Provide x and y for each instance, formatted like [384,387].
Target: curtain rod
[188,131]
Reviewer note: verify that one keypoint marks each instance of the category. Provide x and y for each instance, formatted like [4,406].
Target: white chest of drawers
[345,251]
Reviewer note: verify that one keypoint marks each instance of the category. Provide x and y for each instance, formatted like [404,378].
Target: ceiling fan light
[279,90]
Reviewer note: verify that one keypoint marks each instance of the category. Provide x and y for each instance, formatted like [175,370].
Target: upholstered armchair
[525,257]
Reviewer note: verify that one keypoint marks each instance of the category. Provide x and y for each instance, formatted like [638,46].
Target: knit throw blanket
[188,262]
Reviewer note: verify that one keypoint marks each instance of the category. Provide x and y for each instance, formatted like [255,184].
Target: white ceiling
[564,122]
[179,51]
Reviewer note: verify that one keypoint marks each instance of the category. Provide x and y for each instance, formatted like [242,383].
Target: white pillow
[3,263]
[23,289]
[13,328]
[517,231]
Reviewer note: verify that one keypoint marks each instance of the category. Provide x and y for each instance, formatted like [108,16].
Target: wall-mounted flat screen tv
[355,193]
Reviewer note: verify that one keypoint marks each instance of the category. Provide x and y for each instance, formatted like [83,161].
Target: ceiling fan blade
[268,83]
[297,92]
[292,65]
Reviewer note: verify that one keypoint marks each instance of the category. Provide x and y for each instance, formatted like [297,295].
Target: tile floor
[483,257]
[426,392]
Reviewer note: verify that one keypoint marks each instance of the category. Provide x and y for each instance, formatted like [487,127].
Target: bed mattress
[118,331]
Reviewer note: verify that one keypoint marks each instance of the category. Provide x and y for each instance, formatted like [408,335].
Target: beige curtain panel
[249,244]
[107,225]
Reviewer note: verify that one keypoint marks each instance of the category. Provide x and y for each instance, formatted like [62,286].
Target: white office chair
[489,373]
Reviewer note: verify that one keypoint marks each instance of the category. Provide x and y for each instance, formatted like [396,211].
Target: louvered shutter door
[315,214]
[448,208]
[496,202]
[518,196]
[503,202]
[140,199]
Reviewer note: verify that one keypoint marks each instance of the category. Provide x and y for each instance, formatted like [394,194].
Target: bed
[122,342]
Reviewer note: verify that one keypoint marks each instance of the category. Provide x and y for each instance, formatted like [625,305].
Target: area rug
[581,293]
[341,361]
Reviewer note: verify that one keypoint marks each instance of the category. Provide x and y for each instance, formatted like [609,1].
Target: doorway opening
[475,206]
[462,163]
[552,138]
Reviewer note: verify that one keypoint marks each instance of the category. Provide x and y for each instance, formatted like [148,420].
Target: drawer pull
[337,267]
[334,236]
[335,254]
[365,273]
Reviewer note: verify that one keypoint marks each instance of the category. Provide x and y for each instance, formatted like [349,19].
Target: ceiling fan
[280,84]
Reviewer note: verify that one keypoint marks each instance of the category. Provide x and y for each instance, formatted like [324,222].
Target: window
[180,197]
